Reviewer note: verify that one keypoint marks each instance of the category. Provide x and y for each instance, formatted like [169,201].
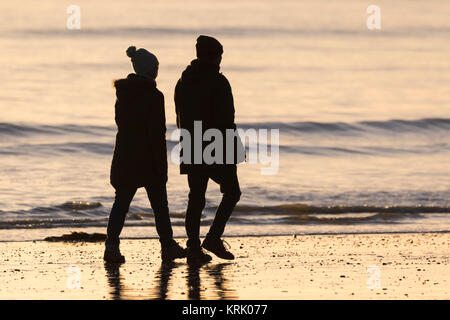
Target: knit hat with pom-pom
[144,63]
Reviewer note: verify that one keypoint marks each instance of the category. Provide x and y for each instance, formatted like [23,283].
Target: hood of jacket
[133,86]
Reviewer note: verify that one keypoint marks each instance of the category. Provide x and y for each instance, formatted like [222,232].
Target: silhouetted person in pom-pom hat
[203,94]
[140,154]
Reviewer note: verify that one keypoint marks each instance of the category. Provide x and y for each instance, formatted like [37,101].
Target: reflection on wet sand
[114,280]
[202,282]
[217,272]
[163,277]
[193,282]
[215,282]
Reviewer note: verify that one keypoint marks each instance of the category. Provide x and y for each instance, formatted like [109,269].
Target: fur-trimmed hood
[133,85]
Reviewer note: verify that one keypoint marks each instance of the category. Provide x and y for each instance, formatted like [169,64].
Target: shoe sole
[221,257]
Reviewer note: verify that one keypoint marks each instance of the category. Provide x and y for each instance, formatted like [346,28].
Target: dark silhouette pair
[140,154]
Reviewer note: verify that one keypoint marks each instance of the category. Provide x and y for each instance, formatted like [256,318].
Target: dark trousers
[157,194]
[227,178]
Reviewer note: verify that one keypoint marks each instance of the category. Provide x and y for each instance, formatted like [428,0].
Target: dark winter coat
[140,152]
[204,94]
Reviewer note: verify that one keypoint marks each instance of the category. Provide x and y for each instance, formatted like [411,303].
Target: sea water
[363,115]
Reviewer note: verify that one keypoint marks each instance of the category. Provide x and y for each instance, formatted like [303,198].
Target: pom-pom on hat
[144,62]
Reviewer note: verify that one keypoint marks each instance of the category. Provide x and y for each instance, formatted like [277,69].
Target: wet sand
[410,266]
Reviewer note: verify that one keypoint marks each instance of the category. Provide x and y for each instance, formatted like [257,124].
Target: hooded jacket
[140,152]
[204,94]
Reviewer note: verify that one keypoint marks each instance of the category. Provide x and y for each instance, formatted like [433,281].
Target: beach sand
[410,266]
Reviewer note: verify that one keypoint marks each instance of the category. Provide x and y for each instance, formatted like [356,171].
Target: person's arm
[160,121]
[224,115]
[116,113]
[177,102]
[157,125]
[225,118]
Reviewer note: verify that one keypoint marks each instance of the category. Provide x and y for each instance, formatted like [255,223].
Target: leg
[117,215]
[198,183]
[229,186]
[157,194]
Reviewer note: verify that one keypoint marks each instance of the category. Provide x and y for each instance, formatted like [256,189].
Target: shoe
[196,256]
[112,255]
[215,245]
[172,251]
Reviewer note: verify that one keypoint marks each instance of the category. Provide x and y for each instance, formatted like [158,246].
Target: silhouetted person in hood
[140,154]
[203,94]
